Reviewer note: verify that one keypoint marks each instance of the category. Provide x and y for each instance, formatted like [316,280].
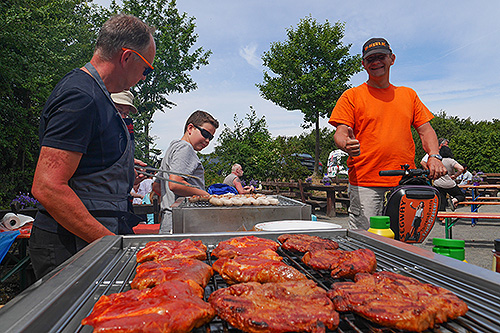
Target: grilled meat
[247,245]
[305,243]
[172,306]
[293,306]
[152,273]
[255,269]
[343,264]
[170,249]
[397,301]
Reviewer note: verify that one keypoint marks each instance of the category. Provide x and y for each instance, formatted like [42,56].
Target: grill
[63,299]
[202,217]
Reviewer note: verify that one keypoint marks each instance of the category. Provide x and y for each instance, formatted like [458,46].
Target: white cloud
[249,54]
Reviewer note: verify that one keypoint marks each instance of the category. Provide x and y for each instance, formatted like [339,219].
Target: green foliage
[472,142]
[40,41]
[250,144]
[43,40]
[309,71]
[176,57]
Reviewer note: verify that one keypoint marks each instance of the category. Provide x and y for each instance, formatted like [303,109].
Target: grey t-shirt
[446,181]
[229,180]
[179,157]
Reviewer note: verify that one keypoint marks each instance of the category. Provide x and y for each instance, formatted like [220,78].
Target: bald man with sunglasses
[85,168]
[181,156]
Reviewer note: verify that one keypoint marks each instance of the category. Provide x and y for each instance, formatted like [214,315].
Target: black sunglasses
[206,134]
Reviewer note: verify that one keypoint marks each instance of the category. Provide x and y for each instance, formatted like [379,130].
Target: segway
[412,206]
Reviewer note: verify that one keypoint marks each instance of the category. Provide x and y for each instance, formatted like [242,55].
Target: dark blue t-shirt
[79,117]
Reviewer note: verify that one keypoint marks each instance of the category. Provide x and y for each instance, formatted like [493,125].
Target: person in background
[181,156]
[466,177]
[145,186]
[233,179]
[446,184]
[85,169]
[134,192]
[373,125]
[147,200]
[441,142]
[124,102]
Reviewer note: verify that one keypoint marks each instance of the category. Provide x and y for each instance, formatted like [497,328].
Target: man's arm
[241,189]
[345,140]
[184,191]
[430,145]
[50,187]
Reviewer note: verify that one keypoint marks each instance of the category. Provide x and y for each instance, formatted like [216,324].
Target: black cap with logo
[376,45]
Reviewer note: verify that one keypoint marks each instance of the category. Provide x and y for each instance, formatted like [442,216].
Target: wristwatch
[439,157]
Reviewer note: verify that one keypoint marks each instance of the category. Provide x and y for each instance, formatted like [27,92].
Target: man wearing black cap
[373,125]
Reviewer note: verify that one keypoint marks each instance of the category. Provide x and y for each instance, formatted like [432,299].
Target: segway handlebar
[405,172]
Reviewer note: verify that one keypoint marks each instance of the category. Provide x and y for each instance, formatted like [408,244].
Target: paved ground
[478,239]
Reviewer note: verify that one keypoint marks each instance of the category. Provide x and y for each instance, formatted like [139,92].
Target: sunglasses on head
[148,69]
[206,134]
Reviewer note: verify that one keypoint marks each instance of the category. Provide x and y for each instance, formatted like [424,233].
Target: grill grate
[118,277]
[283,201]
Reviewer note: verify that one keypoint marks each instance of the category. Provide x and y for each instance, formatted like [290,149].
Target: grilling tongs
[141,169]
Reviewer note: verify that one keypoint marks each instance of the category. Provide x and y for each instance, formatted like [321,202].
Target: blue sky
[448,51]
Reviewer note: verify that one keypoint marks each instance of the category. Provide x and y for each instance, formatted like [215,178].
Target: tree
[310,70]
[175,58]
[253,147]
[40,41]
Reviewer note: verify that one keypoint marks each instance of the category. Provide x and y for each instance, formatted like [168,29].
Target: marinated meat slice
[170,249]
[152,273]
[305,243]
[397,301]
[172,306]
[343,264]
[255,269]
[247,245]
[293,306]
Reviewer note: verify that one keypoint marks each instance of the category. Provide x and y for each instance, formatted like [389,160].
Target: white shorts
[363,203]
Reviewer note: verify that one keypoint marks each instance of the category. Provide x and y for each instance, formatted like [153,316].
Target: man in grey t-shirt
[181,157]
[233,179]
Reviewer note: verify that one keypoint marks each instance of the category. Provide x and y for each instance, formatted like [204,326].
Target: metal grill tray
[60,301]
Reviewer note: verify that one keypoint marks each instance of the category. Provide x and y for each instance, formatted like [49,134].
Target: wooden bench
[483,198]
[451,218]
[479,202]
[306,192]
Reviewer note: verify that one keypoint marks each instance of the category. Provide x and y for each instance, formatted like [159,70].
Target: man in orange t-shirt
[373,124]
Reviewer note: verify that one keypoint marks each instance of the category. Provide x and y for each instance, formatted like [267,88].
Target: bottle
[381,225]
[496,256]
[453,248]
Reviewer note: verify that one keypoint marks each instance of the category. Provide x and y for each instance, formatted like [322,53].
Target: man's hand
[352,146]
[139,176]
[436,168]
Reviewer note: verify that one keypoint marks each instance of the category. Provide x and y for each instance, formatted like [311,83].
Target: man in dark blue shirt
[86,167]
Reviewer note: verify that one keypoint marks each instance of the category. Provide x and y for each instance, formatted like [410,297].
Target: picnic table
[478,197]
[451,218]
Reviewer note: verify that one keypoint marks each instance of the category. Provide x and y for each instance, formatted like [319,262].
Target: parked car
[308,161]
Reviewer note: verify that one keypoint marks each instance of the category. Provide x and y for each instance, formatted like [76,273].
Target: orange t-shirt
[381,120]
